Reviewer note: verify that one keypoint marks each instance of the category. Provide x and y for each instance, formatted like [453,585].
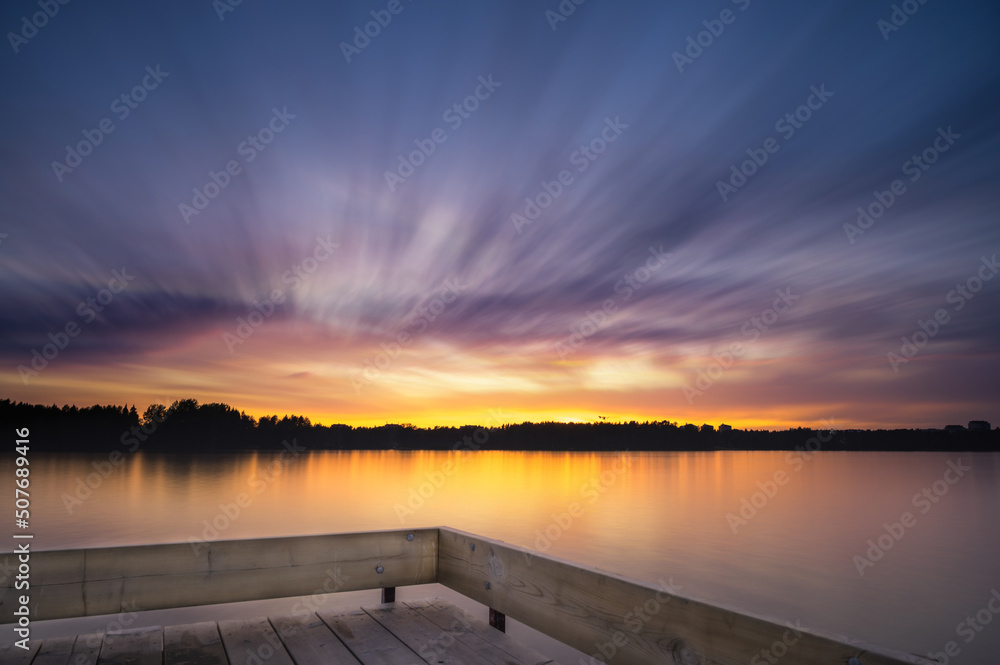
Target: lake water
[799,551]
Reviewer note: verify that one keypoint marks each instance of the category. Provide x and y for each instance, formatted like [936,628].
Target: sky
[456,212]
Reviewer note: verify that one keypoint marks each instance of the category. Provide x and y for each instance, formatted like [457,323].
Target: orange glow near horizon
[450,409]
[432,385]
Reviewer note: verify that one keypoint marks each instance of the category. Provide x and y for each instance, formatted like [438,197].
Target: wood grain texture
[15,655]
[618,620]
[477,634]
[252,641]
[435,645]
[73,583]
[310,641]
[335,638]
[138,646]
[369,640]
[625,622]
[86,649]
[55,651]
[193,644]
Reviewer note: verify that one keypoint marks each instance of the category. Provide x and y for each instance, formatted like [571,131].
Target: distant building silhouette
[954,428]
[979,426]
[725,428]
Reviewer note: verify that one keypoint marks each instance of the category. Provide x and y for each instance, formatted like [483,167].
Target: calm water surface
[793,554]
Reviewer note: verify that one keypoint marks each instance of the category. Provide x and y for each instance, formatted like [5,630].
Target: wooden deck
[429,632]
[606,615]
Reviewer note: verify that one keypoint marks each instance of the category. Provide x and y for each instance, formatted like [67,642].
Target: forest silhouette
[187,426]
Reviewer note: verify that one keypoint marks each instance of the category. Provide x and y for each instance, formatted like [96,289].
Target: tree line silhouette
[187,426]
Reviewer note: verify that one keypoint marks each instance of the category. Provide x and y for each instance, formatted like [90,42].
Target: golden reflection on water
[789,553]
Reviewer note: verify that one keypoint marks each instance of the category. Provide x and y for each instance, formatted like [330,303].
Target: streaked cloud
[494,344]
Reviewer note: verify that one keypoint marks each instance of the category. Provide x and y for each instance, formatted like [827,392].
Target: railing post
[389,594]
[498,620]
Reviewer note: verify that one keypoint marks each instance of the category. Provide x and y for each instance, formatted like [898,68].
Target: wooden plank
[55,651]
[193,644]
[72,650]
[137,646]
[615,618]
[369,640]
[434,645]
[310,641]
[11,654]
[626,622]
[73,583]
[447,616]
[86,649]
[252,641]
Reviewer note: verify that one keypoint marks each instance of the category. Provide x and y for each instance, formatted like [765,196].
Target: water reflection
[773,532]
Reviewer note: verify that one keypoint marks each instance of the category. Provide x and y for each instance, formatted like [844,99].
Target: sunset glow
[279,224]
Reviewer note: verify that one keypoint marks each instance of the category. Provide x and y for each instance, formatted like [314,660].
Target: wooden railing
[616,619]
